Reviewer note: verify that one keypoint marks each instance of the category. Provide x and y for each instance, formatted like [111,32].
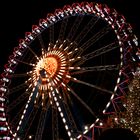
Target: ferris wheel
[68,73]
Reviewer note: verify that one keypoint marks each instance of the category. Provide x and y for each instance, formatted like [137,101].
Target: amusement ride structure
[69,78]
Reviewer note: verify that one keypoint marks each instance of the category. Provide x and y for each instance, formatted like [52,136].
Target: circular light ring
[123,32]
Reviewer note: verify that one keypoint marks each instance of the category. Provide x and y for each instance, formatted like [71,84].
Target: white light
[57,90]
[57,104]
[85,131]
[68,76]
[71,68]
[51,88]
[15,134]
[59,109]
[55,98]
[118,80]
[69,133]
[3,128]
[59,76]
[6,138]
[121,63]
[74,79]
[86,127]
[97,120]
[115,119]
[66,127]
[68,89]
[69,53]
[121,49]
[118,36]
[92,125]
[3,89]
[5,79]
[65,48]
[61,114]
[108,104]
[20,122]
[120,43]
[113,95]
[26,106]
[30,137]
[2,99]
[2,119]
[79,137]
[24,111]
[64,120]
[1,109]
[101,124]
[63,84]
[17,128]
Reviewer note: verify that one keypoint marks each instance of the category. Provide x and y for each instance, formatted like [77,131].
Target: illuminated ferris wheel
[66,74]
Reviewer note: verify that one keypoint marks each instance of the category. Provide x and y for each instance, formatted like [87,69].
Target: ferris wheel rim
[51,18]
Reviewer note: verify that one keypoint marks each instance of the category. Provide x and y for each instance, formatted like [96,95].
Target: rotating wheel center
[47,67]
[50,65]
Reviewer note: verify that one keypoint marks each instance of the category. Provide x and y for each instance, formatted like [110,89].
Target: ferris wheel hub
[49,66]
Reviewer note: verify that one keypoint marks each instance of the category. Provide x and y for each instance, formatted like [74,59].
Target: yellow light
[50,65]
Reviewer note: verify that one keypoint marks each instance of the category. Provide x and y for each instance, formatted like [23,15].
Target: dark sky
[17,17]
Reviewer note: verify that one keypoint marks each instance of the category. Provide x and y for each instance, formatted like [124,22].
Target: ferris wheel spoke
[98,52]
[74,27]
[20,75]
[33,52]
[51,29]
[95,68]
[55,132]
[25,123]
[16,119]
[65,115]
[96,37]
[93,86]
[28,109]
[17,88]
[101,51]
[30,120]
[62,29]
[17,101]
[82,102]
[70,118]
[41,42]
[86,29]
[69,114]
[71,48]
[41,123]
[66,96]
[23,62]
